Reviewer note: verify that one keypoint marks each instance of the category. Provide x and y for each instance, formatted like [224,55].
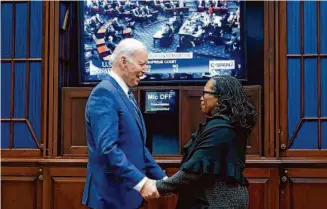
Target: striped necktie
[132,99]
[137,109]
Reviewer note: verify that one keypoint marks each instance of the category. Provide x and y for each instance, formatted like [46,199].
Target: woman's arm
[176,182]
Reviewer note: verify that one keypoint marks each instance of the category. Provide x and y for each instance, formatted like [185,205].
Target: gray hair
[126,48]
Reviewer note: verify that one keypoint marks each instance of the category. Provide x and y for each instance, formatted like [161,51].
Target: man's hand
[149,190]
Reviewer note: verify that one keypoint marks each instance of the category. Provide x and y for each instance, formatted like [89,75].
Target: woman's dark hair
[233,101]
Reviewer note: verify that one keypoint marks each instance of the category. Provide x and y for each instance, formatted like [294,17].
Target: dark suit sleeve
[153,170]
[103,118]
[174,183]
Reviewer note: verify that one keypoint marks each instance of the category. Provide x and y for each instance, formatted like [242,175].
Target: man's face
[134,68]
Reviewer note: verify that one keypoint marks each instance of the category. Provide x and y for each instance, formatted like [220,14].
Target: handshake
[149,190]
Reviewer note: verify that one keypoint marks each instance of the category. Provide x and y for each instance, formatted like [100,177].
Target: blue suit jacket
[117,156]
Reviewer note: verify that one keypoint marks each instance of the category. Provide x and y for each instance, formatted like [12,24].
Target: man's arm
[104,123]
[153,170]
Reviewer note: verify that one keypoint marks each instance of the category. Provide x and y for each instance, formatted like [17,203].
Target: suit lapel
[143,125]
[130,106]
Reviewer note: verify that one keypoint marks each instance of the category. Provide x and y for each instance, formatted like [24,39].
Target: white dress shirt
[125,88]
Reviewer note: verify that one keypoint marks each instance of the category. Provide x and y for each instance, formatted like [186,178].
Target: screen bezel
[81,62]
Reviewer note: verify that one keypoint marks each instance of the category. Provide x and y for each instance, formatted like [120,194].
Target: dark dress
[211,173]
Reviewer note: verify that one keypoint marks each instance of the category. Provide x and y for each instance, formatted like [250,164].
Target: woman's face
[209,99]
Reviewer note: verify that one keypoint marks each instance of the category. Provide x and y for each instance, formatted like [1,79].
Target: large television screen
[187,40]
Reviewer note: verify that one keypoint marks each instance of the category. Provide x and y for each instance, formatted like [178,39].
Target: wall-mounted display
[160,101]
[188,40]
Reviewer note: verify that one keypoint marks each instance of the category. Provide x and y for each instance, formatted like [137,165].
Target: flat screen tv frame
[81,59]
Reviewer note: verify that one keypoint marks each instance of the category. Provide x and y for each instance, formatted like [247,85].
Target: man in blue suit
[120,168]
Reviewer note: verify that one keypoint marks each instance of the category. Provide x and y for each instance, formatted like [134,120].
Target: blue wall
[307,135]
[26,83]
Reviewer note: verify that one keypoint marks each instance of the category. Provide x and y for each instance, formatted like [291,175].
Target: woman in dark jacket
[211,173]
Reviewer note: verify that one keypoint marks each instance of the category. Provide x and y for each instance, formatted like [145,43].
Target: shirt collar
[120,81]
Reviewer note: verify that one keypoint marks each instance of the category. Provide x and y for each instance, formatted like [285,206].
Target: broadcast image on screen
[188,40]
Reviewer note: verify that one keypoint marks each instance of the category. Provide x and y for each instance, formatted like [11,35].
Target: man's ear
[123,62]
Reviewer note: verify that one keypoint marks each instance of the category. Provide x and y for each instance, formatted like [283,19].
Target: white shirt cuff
[139,186]
[164,178]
